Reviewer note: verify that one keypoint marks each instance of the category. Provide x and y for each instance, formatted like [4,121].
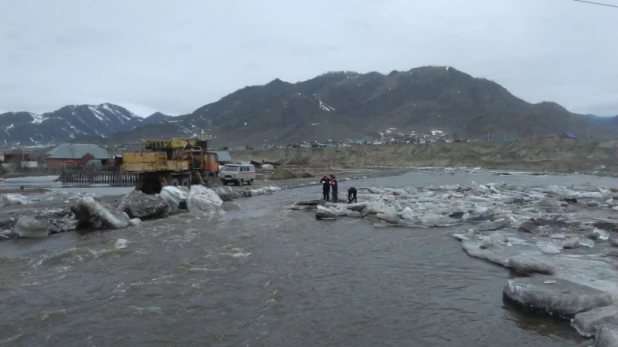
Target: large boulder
[143,206]
[92,213]
[226,193]
[29,227]
[202,199]
[175,197]
[555,296]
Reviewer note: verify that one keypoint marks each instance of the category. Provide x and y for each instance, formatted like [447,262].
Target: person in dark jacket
[351,195]
[334,187]
[325,181]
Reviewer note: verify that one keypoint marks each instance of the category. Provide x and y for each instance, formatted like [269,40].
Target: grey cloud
[177,56]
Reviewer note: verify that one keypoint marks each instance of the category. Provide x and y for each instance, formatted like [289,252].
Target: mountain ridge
[340,105]
[67,122]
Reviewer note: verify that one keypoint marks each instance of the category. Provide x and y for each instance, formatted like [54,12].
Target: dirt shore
[551,156]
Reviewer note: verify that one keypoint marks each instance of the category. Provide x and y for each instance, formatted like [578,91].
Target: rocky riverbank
[54,212]
[564,239]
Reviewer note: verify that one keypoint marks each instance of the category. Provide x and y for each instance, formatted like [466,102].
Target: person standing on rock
[325,187]
[351,195]
[334,187]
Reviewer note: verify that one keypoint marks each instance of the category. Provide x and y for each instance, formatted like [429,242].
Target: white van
[237,173]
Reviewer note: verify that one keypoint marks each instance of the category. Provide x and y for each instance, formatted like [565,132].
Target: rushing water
[266,276]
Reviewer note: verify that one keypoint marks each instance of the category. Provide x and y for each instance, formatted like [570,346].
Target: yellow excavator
[172,162]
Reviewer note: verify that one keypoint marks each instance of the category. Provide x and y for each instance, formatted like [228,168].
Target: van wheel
[224,182]
[242,182]
[237,183]
[251,182]
[175,182]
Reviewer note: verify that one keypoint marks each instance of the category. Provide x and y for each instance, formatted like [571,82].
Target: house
[69,154]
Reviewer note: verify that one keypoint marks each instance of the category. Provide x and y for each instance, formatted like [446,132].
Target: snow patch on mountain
[37,118]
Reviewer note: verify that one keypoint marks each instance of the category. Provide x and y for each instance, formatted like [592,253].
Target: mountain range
[334,105]
[610,123]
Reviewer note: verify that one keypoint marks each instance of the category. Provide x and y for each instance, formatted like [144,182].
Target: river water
[266,276]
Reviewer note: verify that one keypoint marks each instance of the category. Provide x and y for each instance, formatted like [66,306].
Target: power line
[597,3]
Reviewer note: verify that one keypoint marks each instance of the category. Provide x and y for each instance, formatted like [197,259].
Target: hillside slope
[557,155]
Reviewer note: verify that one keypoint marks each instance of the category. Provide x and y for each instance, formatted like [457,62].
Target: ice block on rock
[92,213]
[528,265]
[607,336]
[587,323]
[554,296]
[202,199]
[174,197]
[31,227]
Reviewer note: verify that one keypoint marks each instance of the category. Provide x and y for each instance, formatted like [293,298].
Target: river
[266,276]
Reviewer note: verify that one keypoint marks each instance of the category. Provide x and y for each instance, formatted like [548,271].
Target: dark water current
[265,276]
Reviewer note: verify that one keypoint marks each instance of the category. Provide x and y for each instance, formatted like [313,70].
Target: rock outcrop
[143,206]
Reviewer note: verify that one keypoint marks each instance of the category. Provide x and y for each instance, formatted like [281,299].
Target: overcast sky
[177,55]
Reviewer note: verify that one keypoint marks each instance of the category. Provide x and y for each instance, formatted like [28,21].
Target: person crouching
[334,187]
[351,195]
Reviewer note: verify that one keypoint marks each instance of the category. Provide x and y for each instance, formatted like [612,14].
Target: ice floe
[564,238]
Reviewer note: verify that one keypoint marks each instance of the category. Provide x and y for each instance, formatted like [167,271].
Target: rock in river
[143,206]
[555,296]
[31,227]
[92,213]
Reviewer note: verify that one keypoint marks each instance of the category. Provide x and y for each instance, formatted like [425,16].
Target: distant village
[85,155]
